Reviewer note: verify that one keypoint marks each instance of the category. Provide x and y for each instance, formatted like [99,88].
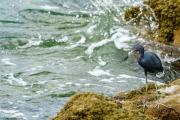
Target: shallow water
[50,49]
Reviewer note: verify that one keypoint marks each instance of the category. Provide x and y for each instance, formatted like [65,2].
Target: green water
[51,49]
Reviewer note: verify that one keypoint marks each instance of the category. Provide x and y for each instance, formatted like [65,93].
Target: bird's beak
[130,53]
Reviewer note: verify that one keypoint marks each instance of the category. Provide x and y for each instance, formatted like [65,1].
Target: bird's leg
[145,99]
[145,72]
[157,98]
[157,95]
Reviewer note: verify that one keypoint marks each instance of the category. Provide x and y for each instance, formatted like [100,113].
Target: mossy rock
[167,14]
[138,15]
[91,106]
[140,93]
[177,37]
[164,113]
[132,13]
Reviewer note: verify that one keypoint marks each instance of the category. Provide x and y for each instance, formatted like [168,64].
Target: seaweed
[91,106]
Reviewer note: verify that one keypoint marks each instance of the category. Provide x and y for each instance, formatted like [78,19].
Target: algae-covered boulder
[169,100]
[167,15]
[91,106]
[169,105]
[125,105]
[177,37]
[133,13]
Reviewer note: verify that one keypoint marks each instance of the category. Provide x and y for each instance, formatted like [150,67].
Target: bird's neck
[141,54]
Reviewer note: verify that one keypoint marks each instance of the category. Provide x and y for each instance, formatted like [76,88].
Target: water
[52,48]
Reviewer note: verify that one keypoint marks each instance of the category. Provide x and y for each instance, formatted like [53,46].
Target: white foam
[91,48]
[169,59]
[91,28]
[124,76]
[6,61]
[110,80]
[13,113]
[12,80]
[122,81]
[120,37]
[63,39]
[121,40]
[77,58]
[99,72]
[101,62]
[35,68]
[81,41]
[48,7]
[68,83]
[36,116]
[88,84]
[73,84]
[31,43]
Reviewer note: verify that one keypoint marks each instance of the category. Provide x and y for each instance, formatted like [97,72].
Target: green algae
[41,73]
[68,94]
[91,106]
[51,43]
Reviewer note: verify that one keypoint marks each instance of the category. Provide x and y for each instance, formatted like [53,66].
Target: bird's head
[137,48]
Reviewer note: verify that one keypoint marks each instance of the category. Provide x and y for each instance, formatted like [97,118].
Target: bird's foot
[144,105]
[158,104]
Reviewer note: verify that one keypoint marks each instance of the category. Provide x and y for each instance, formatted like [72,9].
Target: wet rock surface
[125,105]
[167,15]
[91,106]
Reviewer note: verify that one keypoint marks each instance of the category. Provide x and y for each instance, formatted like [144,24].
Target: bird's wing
[151,62]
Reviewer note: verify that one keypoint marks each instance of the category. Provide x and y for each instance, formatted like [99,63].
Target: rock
[167,15]
[133,13]
[164,113]
[177,37]
[125,105]
[91,106]
[169,105]
[169,98]
[176,64]
[176,82]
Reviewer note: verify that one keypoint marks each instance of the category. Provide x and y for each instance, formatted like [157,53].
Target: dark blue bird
[149,61]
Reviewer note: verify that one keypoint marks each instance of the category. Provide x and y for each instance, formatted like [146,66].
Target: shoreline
[124,105]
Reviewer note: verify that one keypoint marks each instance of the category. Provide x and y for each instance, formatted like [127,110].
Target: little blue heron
[149,61]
